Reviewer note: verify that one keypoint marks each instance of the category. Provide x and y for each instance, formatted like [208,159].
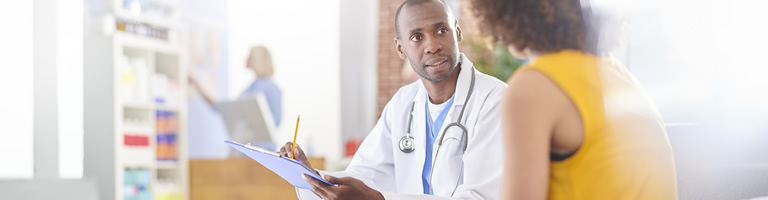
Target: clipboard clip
[255,148]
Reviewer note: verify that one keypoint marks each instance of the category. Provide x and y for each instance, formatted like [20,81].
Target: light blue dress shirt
[267,86]
[433,130]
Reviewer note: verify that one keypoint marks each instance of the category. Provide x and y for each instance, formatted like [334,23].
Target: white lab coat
[381,165]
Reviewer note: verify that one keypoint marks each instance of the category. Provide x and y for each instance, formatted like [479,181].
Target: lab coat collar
[465,78]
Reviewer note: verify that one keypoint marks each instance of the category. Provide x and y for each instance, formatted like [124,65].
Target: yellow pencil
[293,149]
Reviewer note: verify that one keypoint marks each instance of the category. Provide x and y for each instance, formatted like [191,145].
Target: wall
[303,37]
[390,65]
[204,39]
[45,53]
[42,119]
[358,36]
[16,82]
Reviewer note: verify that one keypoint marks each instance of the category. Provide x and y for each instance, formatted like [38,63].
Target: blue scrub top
[267,86]
[433,130]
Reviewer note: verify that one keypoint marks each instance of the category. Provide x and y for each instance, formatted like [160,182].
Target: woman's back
[268,87]
[625,153]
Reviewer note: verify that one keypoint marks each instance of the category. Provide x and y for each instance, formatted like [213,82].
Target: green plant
[495,61]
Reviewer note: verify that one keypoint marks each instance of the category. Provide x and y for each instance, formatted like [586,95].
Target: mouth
[437,63]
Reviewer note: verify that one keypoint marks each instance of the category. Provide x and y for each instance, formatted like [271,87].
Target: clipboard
[287,168]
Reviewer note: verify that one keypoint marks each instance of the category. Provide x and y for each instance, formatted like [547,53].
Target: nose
[433,46]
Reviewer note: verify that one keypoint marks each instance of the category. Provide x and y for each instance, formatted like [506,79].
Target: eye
[442,30]
[416,38]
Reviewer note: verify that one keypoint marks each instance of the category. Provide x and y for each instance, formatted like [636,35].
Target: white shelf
[123,14]
[126,39]
[169,3]
[142,106]
[138,166]
[109,115]
[173,108]
[138,156]
[166,164]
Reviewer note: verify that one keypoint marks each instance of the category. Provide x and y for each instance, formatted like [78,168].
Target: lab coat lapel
[419,129]
[462,87]
[462,84]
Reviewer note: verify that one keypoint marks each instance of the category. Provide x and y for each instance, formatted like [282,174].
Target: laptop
[248,120]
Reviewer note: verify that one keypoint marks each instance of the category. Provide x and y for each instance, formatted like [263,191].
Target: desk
[239,178]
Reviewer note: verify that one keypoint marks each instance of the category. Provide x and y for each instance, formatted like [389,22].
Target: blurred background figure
[260,62]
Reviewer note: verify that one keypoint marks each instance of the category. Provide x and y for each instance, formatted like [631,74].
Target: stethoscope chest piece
[406,144]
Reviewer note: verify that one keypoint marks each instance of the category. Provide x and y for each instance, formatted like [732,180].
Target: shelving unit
[135,109]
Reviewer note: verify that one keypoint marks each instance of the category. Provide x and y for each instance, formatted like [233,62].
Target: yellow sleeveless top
[625,153]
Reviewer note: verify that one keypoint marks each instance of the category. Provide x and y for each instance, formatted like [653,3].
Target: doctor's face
[428,38]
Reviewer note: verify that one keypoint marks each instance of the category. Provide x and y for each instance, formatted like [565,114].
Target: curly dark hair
[542,26]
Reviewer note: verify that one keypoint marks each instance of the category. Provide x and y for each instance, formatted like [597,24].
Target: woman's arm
[528,113]
[195,85]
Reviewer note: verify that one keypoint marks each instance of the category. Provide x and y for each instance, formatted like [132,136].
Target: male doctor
[403,157]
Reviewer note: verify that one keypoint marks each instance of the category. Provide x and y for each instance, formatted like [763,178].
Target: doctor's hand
[286,152]
[343,188]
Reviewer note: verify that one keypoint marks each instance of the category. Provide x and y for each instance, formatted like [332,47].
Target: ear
[399,48]
[459,35]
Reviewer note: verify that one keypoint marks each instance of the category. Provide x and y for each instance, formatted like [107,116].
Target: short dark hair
[543,26]
[409,3]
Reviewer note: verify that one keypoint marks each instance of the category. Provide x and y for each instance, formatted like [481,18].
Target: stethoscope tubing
[457,123]
[464,135]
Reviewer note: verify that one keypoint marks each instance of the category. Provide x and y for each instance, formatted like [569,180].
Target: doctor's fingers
[285,150]
[323,190]
[300,153]
[342,180]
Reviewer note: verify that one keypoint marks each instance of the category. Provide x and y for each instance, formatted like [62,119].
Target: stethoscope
[407,145]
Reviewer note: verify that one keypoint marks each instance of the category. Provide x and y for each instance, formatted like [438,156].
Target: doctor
[438,137]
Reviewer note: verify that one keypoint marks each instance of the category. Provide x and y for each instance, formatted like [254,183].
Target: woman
[575,126]
[260,62]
